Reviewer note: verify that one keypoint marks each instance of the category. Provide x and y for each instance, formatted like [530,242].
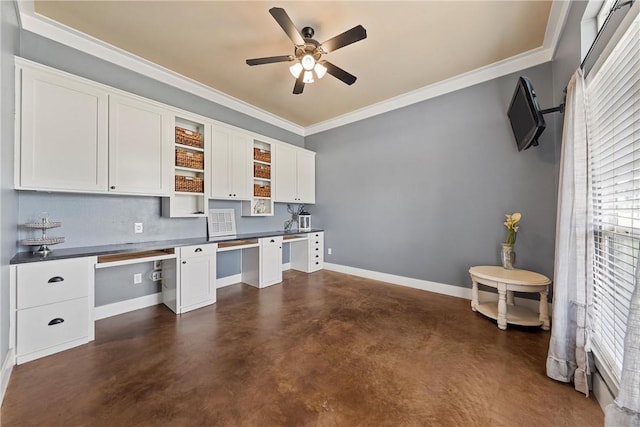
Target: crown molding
[68,36]
[43,26]
[479,75]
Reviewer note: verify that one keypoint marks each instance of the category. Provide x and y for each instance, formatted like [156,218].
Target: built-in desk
[52,298]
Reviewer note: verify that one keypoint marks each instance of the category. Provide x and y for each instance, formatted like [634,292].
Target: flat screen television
[524,114]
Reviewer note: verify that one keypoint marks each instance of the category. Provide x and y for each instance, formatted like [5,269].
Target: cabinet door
[285,174]
[63,130]
[306,177]
[197,280]
[220,140]
[270,261]
[239,166]
[139,147]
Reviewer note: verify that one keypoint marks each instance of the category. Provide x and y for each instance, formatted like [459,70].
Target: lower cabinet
[262,266]
[308,255]
[197,277]
[54,306]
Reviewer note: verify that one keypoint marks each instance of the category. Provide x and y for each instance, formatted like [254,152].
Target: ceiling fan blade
[287,25]
[351,36]
[270,60]
[339,73]
[299,86]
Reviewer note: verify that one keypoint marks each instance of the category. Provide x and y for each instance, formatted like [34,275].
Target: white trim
[5,374]
[53,30]
[426,285]
[511,65]
[104,311]
[222,282]
[286,266]
[600,391]
[557,18]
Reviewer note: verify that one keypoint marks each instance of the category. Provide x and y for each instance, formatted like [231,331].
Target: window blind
[613,112]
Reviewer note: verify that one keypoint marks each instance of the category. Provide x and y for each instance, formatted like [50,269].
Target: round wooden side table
[507,282]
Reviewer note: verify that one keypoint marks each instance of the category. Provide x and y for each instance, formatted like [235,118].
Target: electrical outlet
[156,276]
[137,278]
[137,227]
[329,251]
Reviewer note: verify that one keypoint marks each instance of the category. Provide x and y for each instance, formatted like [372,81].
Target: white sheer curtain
[567,358]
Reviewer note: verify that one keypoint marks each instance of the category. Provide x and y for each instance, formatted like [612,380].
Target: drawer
[271,241]
[49,325]
[52,281]
[198,250]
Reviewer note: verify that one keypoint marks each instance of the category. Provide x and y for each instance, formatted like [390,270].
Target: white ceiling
[410,45]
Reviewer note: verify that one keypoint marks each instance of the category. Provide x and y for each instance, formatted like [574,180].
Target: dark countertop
[57,254]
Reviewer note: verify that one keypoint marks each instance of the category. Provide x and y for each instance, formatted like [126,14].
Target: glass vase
[508,256]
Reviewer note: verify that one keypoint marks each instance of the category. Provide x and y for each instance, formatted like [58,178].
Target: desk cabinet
[308,255]
[197,276]
[262,266]
[54,302]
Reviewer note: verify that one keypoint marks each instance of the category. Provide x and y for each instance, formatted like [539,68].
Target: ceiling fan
[308,52]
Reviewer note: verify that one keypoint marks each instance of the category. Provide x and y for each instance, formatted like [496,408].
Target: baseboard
[221,282]
[104,311]
[426,285]
[7,368]
[600,390]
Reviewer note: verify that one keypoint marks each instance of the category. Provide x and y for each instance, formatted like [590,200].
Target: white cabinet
[62,133]
[262,266]
[230,162]
[197,276]
[308,255]
[139,147]
[295,179]
[54,306]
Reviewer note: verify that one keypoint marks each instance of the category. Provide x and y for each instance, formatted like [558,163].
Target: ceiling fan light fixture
[308,77]
[296,69]
[320,70]
[308,62]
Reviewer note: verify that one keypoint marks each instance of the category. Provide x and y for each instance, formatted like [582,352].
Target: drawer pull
[55,279]
[56,321]
[273,241]
[317,263]
[198,250]
[316,242]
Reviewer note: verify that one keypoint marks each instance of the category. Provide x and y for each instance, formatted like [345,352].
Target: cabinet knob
[198,250]
[55,321]
[56,279]
[234,195]
[229,194]
[113,187]
[184,262]
[272,241]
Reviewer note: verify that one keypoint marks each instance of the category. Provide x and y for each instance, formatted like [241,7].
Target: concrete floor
[325,349]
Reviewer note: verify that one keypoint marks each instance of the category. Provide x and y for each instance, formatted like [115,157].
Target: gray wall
[422,191]
[9,46]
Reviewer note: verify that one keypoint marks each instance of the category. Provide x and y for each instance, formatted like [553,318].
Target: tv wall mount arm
[559,108]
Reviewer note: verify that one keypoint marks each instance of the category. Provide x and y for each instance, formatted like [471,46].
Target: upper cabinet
[62,133]
[139,147]
[295,174]
[75,135]
[230,162]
